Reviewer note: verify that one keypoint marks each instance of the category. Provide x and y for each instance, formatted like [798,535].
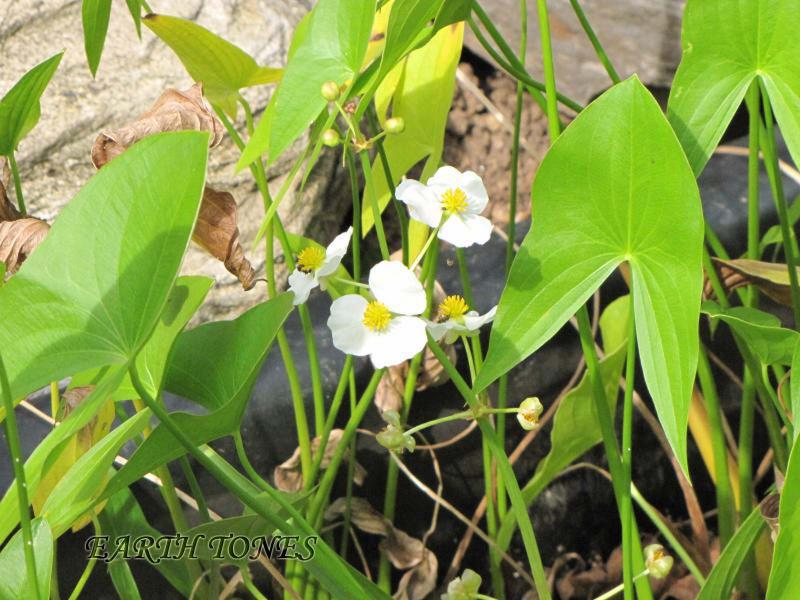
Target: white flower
[315,265]
[458,197]
[529,412]
[388,328]
[455,319]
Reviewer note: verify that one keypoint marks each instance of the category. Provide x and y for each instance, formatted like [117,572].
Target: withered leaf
[770,278]
[217,232]
[175,110]
[685,588]
[288,475]
[420,581]
[389,395]
[769,510]
[8,212]
[18,238]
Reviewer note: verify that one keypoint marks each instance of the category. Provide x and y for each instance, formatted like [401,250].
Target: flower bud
[657,561]
[529,412]
[395,125]
[464,587]
[330,91]
[330,138]
[392,437]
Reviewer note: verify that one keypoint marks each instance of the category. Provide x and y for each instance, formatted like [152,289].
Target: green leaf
[794,386]
[608,192]
[420,91]
[723,576]
[78,490]
[453,11]
[784,577]
[95,14]
[762,332]
[575,426]
[223,68]
[135,8]
[123,581]
[220,381]
[122,516]
[726,45]
[332,48]
[85,299]
[14,581]
[407,19]
[19,108]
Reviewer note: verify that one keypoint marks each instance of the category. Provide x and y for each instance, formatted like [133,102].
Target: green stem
[369,185]
[518,506]
[626,509]
[554,123]
[12,162]
[598,47]
[725,504]
[356,240]
[787,231]
[87,571]
[622,586]
[241,454]
[15,453]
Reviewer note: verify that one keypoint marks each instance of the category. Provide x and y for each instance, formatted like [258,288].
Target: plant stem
[369,187]
[725,505]
[598,47]
[787,231]
[244,460]
[87,571]
[616,590]
[518,506]
[626,508]
[12,162]
[356,239]
[15,453]
[554,123]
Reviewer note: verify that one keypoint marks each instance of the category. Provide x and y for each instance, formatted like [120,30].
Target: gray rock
[640,36]
[55,158]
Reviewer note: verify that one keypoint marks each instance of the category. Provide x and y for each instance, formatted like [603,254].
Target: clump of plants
[374,81]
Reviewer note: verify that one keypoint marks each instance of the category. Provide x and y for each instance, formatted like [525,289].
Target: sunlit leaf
[14,582]
[784,578]
[608,192]
[726,45]
[222,67]
[407,19]
[95,14]
[19,108]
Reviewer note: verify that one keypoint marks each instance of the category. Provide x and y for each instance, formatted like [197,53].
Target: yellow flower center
[376,316]
[453,307]
[310,259]
[531,416]
[454,201]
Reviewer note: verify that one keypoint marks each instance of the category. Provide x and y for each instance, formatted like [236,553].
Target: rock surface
[55,158]
[640,36]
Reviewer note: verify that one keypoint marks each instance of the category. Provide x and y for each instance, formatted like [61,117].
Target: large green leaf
[216,366]
[723,576]
[726,45]
[784,578]
[14,581]
[332,48]
[222,67]
[19,108]
[407,19]
[608,192]
[95,288]
[95,15]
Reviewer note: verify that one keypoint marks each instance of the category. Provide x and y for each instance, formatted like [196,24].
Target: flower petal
[477,196]
[437,330]
[445,178]
[397,287]
[464,230]
[473,321]
[349,333]
[335,252]
[423,205]
[301,284]
[403,339]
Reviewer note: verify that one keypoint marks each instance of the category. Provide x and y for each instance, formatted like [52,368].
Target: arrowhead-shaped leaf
[608,192]
[95,15]
[726,45]
[92,292]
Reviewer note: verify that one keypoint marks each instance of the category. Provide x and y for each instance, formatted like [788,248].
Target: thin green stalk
[622,586]
[244,460]
[87,571]
[518,507]
[554,123]
[598,47]
[726,517]
[15,453]
[495,569]
[369,186]
[248,583]
[787,231]
[626,508]
[12,162]
[356,240]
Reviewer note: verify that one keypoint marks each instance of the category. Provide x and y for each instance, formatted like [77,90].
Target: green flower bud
[392,439]
[330,91]
[464,587]
[529,412]
[395,125]
[658,561]
[330,138]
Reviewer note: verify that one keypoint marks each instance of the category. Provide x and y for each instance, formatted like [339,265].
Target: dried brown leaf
[420,581]
[770,507]
[770,278]
[288,475]
[685,588]
[217,232]
[18,238]
[8,212]
[431,373]
[175,110]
